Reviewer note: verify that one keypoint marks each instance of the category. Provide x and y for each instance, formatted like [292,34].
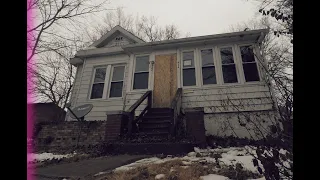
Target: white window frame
[196,66]
[241,63]
[134,69]
[235,62]
[215,64]
[105,81]
[110,81]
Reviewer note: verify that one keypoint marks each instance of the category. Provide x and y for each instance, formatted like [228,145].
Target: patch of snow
[186,163]
[45,156]
[231,158]
[213,177]
[146,161]
[192,154]
[123,168]
[100,173]
[196,149]
[160,176]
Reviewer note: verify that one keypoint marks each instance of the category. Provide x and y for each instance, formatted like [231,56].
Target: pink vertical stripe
[29,108]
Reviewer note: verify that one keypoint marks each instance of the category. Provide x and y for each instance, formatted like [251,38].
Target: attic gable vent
[120,38]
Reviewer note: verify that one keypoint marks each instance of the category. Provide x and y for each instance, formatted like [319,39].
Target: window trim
[133,72]
[214,56]
[235,62]
[255,59]
[110,80]
[195,59]
[92,81]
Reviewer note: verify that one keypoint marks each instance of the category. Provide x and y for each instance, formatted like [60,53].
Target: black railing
[131,111]
[176,107]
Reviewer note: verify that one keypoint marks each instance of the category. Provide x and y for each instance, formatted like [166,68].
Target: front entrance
[165,80]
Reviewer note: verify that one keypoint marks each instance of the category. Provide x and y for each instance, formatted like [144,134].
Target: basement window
[116,83]
[141,73]
[228,66]
[98,83]
[208,68]
[189,73]
[249,64]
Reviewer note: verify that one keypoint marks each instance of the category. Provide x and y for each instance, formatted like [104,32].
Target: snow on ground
[230,156]
[46,156]
[153,160]
[159,176]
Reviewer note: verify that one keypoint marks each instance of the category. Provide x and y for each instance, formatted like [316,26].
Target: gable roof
[242,36]
[114,30]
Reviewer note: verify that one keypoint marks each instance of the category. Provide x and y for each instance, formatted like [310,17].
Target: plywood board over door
[165,80]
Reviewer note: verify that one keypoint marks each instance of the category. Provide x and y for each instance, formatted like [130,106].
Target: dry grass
[193,172]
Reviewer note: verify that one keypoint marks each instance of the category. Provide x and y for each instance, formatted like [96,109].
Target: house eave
[255,36]
[244,36]
[76,61]
[95,52]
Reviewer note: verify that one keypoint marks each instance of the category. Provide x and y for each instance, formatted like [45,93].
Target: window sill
[224,85]
[138,91]
[105,100]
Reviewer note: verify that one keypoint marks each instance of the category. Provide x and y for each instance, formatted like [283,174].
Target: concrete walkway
[85,168]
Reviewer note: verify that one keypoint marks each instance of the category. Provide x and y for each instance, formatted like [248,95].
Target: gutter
[175,43]
[198,38]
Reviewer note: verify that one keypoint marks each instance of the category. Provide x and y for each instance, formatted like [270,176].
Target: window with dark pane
[97,90]
[141,80]
[229,71]
[98,83]
[208,68]
[226,55]
[117,81]
[249,64]
[116,89]
[141,73]
[189,78]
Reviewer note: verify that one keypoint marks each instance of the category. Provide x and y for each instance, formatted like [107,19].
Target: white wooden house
[223,74]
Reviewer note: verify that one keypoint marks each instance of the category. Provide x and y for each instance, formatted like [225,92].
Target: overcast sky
[199,17]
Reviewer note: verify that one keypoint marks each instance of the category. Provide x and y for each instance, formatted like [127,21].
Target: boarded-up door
[165,80]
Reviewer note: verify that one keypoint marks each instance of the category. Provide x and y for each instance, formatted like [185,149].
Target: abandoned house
[214,84]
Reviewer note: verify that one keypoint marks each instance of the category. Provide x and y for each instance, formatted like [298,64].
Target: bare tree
[277,52]
[146,28]
[282,12]
[49,17]
[53,75]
